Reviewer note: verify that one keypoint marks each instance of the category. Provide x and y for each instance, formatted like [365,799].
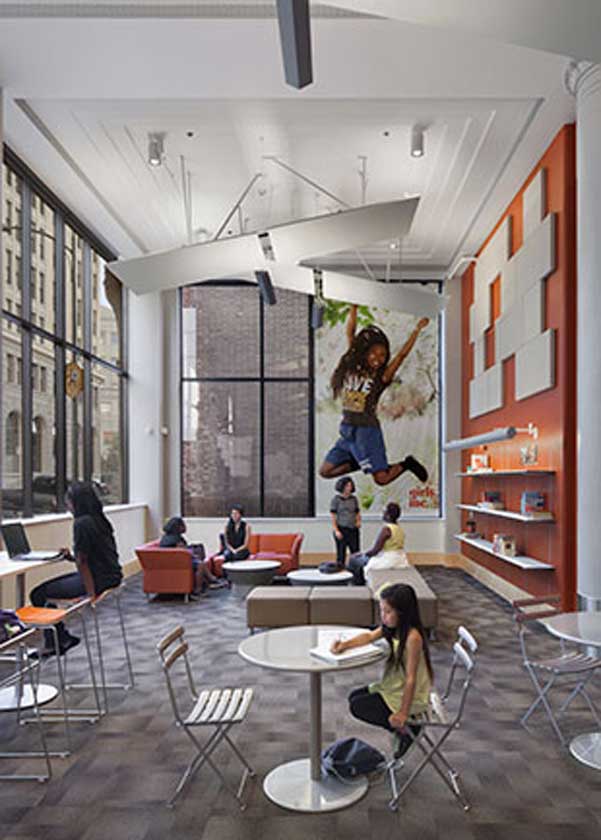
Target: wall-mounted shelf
[508,514]
[521,561]
[495,473]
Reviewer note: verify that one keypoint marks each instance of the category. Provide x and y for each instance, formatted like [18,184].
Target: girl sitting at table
[404,689]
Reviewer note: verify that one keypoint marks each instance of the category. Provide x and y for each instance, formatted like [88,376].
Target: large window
[62,340]
[246,389]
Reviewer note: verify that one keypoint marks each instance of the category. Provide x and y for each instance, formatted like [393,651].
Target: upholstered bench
[277,606]
[352,605]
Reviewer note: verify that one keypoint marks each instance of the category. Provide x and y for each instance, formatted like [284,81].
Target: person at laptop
[95,554]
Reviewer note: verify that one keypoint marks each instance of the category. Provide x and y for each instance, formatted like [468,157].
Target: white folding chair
[19,691]
[436,725]
[466,640]
[220,709]
[544,673]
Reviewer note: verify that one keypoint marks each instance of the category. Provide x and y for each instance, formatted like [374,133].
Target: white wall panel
[534,202]
[532,311]
[479,355]
[537,255]
[535,366]
[494,387]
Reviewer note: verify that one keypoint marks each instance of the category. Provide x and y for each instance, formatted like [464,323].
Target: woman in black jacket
[94,553]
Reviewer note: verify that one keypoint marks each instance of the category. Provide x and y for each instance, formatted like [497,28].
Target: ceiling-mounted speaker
[266,287]
[295,37]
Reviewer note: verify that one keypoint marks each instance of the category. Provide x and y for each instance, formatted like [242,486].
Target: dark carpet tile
[123,770]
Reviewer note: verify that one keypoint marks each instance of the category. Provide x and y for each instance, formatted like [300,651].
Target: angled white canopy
[290,243]
[279,251]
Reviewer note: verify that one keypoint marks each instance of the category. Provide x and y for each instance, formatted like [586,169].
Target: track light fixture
[417,141]
[156,148]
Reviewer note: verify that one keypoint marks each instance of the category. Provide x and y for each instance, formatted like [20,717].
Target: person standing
[346,519]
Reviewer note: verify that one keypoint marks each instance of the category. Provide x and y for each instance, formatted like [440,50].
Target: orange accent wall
[553,411]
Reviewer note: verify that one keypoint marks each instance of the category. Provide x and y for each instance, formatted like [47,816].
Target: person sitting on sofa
[173,537]
[235,540]
[386,553]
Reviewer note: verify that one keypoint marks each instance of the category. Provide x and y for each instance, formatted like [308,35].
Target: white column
[584,81]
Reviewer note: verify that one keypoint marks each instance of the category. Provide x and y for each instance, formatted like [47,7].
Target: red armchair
[166,570]
[282,547]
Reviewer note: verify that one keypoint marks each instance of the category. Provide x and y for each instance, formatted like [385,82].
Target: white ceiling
[83,94]
[467,143]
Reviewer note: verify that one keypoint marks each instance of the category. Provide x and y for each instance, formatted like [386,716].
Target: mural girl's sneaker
[414,466]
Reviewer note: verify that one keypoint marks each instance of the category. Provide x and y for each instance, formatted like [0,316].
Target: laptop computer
[17,544]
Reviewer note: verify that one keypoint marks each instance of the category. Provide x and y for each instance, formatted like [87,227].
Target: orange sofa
[166,570]
[282,547]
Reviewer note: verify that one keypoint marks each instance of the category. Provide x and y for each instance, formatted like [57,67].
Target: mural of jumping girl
[360,378]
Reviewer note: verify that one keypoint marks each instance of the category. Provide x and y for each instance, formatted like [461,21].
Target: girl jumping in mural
[361,376]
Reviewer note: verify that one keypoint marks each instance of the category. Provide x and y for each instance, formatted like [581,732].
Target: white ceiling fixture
[417,141]
[288,245]
[156,148]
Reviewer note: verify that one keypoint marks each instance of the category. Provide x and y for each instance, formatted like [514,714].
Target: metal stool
[22,691]
[95,603]
[47,618]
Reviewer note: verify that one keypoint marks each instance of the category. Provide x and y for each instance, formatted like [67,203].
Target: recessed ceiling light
[417,141]
[156,149]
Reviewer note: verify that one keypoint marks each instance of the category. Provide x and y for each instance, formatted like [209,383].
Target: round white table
[583,628]
[299,785]
[313,577]
[245,574]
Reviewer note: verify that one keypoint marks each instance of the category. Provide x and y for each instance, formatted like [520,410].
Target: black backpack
[350,757]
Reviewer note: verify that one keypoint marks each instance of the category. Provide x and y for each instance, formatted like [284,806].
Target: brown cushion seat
[277,606]
[352,605]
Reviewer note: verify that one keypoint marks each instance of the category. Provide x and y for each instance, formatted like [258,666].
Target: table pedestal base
[587,749]
[9,697]
[291,786]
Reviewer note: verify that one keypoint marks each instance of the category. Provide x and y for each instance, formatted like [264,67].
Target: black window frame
[262,379]
[25,320]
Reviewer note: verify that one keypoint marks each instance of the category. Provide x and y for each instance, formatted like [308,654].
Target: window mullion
[26,353]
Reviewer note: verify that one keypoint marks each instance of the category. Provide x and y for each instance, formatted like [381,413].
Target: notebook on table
[17,544]
[327,638]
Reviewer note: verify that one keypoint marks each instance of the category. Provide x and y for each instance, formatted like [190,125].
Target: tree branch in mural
[364,371]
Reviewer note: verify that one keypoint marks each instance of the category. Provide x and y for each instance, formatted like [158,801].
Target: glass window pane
[106,311]
[287,335]
[106,434]
[11,242]
[74,379]
[12,414]
[220,326]
[220,447]
[287,449]
[43,426]
[42,265]
[74,291]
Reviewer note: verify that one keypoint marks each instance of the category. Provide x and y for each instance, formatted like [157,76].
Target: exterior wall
[553,411]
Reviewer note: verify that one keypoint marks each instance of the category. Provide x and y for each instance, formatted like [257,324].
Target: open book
[327,638]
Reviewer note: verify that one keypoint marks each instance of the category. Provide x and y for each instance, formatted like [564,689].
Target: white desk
[299,785]
[583,628]
[18,569]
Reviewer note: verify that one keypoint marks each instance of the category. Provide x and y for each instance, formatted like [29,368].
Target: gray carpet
[115,784]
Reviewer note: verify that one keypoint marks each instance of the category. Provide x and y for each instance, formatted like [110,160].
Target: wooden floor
[523,785]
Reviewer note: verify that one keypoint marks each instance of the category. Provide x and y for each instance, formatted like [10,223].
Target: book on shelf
[533,503]
[492,500]
[326,639]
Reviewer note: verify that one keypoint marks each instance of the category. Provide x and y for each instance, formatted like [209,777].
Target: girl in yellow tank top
[405,686]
